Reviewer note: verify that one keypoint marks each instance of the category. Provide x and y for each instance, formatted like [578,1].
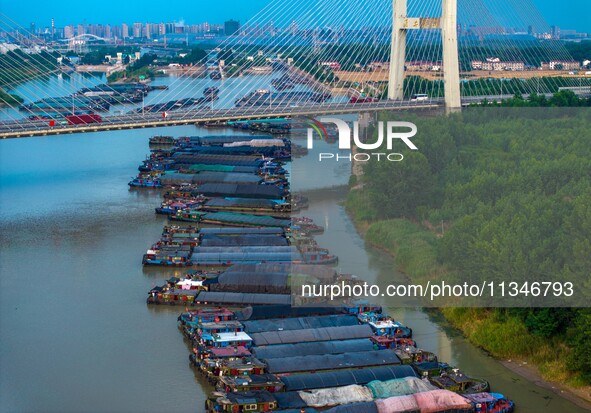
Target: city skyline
[568,16]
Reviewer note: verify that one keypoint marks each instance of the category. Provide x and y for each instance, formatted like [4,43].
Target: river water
[76,334]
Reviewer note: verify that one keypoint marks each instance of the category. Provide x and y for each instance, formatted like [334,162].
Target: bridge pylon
[447,23]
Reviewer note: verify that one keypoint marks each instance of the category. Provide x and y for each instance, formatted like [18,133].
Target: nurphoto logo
[388,131]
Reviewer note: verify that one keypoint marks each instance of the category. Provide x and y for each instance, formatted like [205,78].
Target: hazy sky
[568,14]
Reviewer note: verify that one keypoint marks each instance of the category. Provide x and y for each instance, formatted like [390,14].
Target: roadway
[27,128]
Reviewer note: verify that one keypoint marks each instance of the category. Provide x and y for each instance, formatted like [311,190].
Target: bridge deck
[151,120]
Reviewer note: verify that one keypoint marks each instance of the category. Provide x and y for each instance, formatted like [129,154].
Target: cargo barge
[272,356]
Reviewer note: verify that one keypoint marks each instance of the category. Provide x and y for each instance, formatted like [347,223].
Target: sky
[569,14]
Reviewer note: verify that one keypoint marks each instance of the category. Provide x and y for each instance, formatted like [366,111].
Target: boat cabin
[167,257]
[186,238]
[171,207]
[204,331]
[242,402]
[319,257]
[268,382]
[234,339]
[362,307]
[458,382]
[147,182]
[246,366]
[214,355]
[412,354]
[204,315]
[190,284]
[173,296]
[384,326]
[490,403]
[390,328]
[169,230]
[207,331]
[388,342]
[430,368]
[190,215]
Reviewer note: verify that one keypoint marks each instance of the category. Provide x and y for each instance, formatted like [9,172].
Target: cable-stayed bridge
[315,58]
[18,129]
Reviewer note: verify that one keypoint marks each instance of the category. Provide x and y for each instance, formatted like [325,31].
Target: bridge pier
[447,23]
[397,51]
[451,62]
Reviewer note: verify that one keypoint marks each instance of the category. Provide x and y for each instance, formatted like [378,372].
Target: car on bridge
[417,97]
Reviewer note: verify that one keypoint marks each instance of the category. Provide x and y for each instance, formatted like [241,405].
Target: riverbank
[7,99]
[506,338]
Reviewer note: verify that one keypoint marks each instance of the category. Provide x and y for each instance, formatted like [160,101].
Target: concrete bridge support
[447,23]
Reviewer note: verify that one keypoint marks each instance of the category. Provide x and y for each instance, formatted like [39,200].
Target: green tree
[580,357]
[399,188]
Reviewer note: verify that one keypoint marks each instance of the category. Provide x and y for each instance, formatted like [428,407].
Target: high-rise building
[137,30]
[231,27]
[179,28]
[108,33]
[80,30]
[124,31]
[116,32]
[32,29]
[555,32]
[293,28]
[68,32]
[154,29]
[162,29]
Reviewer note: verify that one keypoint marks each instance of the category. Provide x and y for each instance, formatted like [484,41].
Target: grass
[507,337]
[414,249]
[360,208]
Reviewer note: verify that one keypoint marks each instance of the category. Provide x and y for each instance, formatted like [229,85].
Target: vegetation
[145,66]
[138,70]
[495,194]
[18,67]
[9,99]
[192,56]
[563,99]
[579,51]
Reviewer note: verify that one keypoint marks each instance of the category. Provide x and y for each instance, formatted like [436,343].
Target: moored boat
[206,315]
[490,403]
[457,381]
[253,401]
[168,257]
[268,382]
[147,182]
[162,140]
[172,297]
[385,326]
